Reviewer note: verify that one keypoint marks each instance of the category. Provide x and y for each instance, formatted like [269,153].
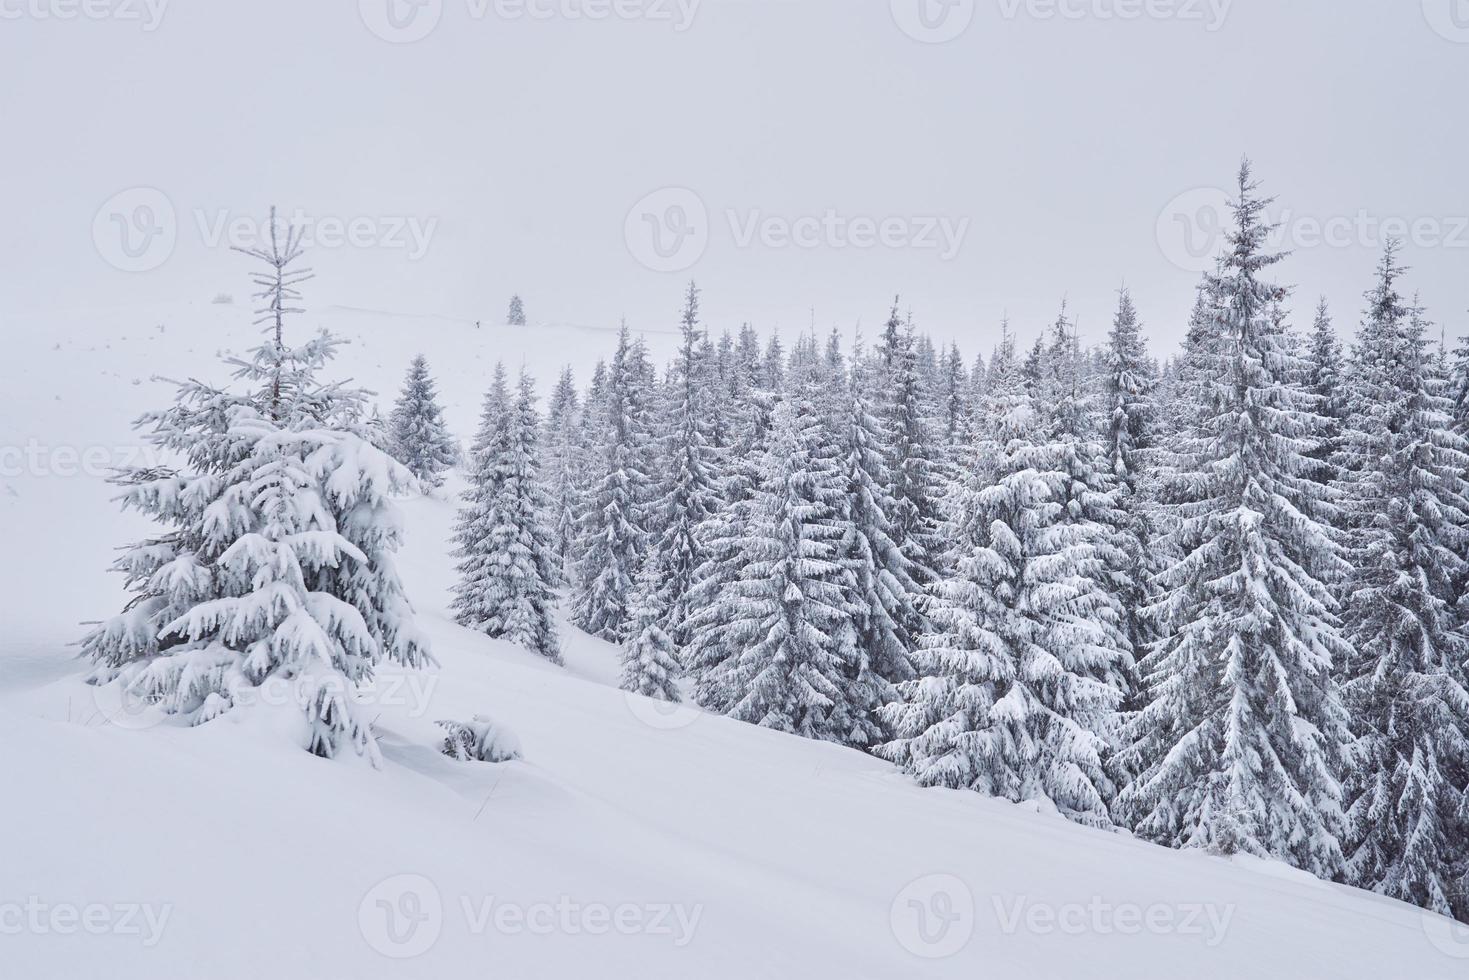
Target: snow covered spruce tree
[911,452]
[564,463]
[417,435]
[885,594]
[1012,700]
[492,414]
[721,534]
[1241,748]
[516,316]
[1406,680]
[1092,533]
[650,663]
[508,570]
[1129,386]
[787,617]
[278,559]
[1324,380]
[614,532]
[689,495]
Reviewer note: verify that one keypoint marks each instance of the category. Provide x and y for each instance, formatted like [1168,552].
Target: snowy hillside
[634,840]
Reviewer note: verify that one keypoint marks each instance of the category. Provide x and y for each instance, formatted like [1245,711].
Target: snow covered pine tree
[279,561]
[508,569]
[1014,698]
[417,436]
[614,533]
[650,664]
[787,616]
[1241,748]
[1406,687]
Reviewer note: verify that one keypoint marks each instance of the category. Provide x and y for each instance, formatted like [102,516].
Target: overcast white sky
[1057,135]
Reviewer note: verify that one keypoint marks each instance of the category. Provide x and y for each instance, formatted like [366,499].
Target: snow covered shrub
[480,740]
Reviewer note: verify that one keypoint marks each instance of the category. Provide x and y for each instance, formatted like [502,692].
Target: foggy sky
[820,156]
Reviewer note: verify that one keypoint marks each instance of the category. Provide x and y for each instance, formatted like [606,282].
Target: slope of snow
[632,841]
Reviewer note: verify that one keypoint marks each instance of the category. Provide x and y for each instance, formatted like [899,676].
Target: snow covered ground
[631,842]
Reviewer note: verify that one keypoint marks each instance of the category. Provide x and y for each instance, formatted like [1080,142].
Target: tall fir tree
[278,559]
[1406,680]
[516,316]
[1241,749]
[417,435]
[1324,380]
[915,478]
[614,532]
[1129,387]
[650,662]
[508,569]
[689,495]
[564,460]
[1012,701]
[885,594]
[787,615]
